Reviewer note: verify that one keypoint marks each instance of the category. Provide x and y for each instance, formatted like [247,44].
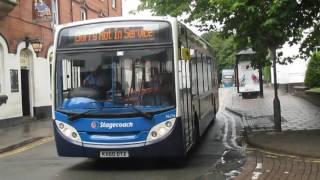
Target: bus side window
[209,72]
[200,73]
[215,76]
[213,73]
[194,75]
[205,73]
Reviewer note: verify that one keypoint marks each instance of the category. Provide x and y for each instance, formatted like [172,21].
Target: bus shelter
[247,77]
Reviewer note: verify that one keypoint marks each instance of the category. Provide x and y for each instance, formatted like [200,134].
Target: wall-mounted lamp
[3,99]
[35,43]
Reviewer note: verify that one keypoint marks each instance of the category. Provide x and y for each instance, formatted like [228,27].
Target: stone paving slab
[297,113]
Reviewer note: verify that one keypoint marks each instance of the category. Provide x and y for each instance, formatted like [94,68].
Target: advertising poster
[248,77]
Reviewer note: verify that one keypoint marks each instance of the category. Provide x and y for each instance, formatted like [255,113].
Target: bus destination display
[115,33]
[118,34]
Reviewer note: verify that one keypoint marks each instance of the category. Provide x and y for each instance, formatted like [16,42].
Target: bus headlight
[160,130]
[68,131]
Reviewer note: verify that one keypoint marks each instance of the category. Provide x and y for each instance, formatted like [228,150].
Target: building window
[113,4]
[83,14]
[14,80]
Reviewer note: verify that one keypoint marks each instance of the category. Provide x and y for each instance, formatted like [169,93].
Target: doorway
[26,79]
[25,92]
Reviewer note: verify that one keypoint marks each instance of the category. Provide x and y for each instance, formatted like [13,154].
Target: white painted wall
[293,72]
[11,108]
[40,82]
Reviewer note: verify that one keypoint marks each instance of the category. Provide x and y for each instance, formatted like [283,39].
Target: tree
[313,72]
[225,49]
[263,25]
[253,23]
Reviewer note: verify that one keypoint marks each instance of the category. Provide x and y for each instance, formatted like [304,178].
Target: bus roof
[171,20]
[111,19]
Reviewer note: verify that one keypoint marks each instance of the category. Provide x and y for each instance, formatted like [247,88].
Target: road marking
[234,131]
[225,141]
[259,166]
[255,175]
[27,147]
[276,155]
[229,144]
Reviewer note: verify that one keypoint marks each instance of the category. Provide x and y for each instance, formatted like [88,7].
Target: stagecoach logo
[95,124]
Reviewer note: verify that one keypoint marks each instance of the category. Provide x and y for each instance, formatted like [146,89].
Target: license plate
[114,154]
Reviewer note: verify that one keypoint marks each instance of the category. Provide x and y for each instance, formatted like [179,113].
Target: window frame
[114,4]
[83,14]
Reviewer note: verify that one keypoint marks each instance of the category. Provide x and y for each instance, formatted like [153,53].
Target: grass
[316,90]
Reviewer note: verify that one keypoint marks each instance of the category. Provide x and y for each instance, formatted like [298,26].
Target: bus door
[186,100]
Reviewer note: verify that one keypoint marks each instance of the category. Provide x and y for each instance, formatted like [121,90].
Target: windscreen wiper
[144,114]
[77,116]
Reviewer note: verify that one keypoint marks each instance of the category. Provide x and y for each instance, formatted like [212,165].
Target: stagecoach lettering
[115,125]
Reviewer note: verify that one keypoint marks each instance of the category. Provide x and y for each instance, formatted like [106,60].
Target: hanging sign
[42,11]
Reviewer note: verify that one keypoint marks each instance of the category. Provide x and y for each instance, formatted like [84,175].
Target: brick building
[25,50]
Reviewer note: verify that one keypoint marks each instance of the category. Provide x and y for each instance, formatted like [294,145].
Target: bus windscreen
[115,79]
[115,33]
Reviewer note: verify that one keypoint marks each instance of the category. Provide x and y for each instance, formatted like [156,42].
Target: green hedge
[315,90]
[267,74]
[312,78]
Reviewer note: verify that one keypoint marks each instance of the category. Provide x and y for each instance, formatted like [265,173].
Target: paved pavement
[25,133]
[270,166]
[290,154]
[300,123]
[297,113]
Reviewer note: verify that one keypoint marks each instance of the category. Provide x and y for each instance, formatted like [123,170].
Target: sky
[129,5]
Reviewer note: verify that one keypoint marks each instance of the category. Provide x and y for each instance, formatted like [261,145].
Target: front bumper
[172,146]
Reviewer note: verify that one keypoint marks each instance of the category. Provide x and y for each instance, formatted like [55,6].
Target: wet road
[42,162]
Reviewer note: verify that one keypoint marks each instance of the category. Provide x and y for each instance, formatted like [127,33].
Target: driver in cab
[96,79]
